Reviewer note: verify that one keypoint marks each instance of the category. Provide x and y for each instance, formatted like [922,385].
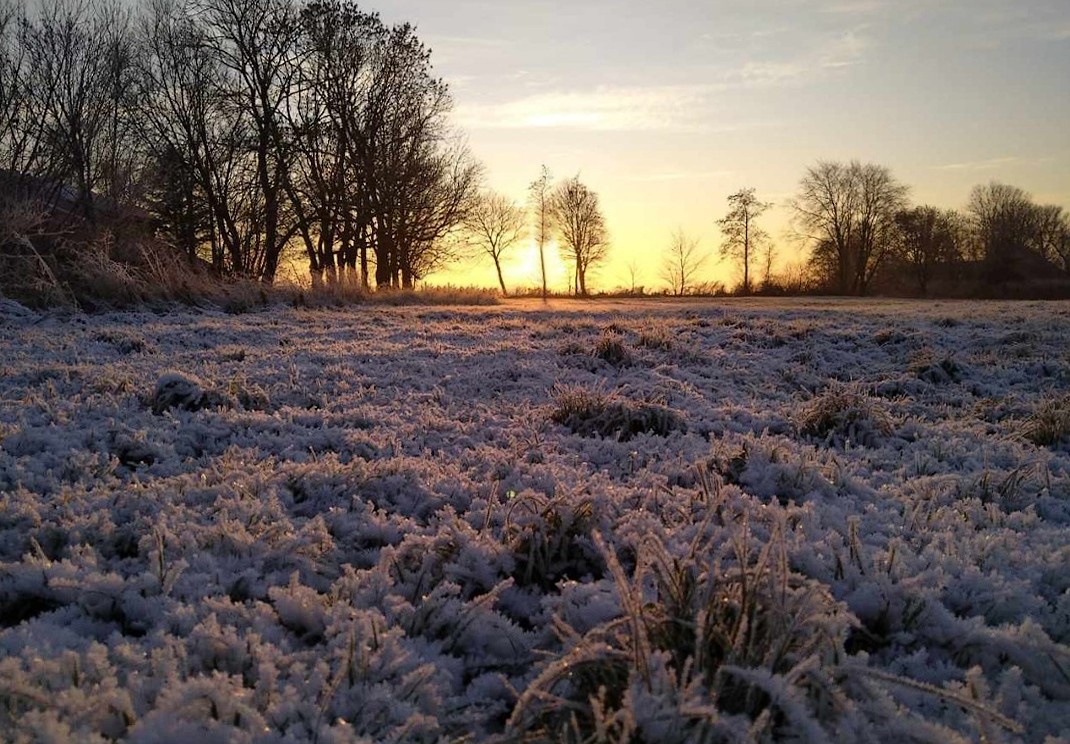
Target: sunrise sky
[667,107]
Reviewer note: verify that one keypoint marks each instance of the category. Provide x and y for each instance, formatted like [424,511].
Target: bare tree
[79,68]
[199,141]
[682,261]
[1004,220]
[742,236]
[926,238]
[849,210]
[22,108]
[495,225]
[540,201]
[255,44]
[584,240]
[1053,235]
[633,274]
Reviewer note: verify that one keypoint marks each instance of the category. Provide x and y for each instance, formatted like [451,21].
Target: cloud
[844,50]
[673,107]
[990,164]
[823,56]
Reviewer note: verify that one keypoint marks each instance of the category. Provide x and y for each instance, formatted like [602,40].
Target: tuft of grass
[655,338]
[1049,423]
[844,414]
[710,635]
[590,412]
[184,392]
[938,371]
[551,539]
[611,349]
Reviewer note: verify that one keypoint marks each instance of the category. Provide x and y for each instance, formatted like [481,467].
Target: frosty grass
[797,521]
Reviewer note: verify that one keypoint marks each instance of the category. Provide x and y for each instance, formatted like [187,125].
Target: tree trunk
[746,256]
[501,281]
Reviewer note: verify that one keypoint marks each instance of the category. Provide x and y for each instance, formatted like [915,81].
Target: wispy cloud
[601,109]
[826,55]
[989,164]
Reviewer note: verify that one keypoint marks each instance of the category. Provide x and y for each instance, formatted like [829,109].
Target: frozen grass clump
[938,371]
[125,342]
[591,413]
[612,350]
[1049,423]
[842,415]
[723,642]
[183,392]
[550,539]
[654,338]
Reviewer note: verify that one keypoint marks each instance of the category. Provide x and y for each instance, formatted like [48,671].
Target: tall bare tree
[22,108]
[682,261]
[633,275]
[848,210]
[742,236]
[80,59]
[1004,220]
[540,201]
[579,219]
[255,42]
[925,238]
[197,139]
[1052,239]
[495,224]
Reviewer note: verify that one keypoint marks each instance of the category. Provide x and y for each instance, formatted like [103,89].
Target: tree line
[243,127]
[864,236]
[248,128]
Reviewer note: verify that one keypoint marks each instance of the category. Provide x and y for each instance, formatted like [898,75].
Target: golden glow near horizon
[666,108]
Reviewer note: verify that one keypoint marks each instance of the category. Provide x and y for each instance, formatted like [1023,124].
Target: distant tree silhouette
[681,262]
[848,210]
[1004,220]
[633,275]
[925,238]
[1053,235]
[540,201]
[742,236]
[579,220]
[495,224]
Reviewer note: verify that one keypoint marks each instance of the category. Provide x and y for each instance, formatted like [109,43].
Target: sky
[666,108]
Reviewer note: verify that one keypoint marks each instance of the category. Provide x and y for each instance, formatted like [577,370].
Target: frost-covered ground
[656,522]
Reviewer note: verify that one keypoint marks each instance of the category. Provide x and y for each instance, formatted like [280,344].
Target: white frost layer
[366,526]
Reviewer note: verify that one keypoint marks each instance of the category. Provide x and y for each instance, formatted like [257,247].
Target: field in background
[823,519]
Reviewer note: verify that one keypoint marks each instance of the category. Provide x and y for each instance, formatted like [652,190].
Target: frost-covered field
[805,521]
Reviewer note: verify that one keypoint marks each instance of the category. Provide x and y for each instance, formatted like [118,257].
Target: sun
[525,271]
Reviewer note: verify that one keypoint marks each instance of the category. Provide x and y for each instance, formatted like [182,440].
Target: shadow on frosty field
[648,522]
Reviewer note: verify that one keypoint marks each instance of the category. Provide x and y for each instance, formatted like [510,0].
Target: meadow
[603,521]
